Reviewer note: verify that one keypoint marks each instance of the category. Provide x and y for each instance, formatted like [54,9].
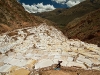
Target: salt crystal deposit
[43,45]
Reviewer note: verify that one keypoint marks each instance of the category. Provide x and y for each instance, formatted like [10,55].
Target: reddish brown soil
[70,71]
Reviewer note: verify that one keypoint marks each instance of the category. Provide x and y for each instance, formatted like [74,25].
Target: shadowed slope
[86,28]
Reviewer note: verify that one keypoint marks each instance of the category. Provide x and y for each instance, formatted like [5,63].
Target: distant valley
[69,20]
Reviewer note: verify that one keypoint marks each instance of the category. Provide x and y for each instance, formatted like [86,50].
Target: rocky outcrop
[42,46]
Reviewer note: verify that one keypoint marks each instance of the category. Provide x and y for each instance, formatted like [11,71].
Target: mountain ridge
[63,16]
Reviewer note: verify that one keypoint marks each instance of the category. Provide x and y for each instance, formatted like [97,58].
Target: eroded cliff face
[42,46]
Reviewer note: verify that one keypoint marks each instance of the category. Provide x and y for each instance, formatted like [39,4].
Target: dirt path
[59,72]
[70,72]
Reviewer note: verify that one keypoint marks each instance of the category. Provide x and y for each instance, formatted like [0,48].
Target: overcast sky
[34,6]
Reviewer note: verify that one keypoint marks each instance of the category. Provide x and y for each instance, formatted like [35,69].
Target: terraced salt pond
[41,46]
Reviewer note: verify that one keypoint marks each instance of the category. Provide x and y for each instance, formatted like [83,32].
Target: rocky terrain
[43,46]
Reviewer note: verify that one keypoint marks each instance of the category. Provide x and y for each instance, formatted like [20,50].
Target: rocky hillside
[13,15]
[34,49]
[86,28]
[64,16]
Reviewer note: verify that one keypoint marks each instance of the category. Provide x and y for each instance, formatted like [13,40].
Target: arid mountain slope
[86,28]
[13,15]
[64,16]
